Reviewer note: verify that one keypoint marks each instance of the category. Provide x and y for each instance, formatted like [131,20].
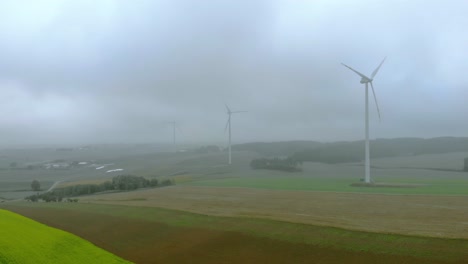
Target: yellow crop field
[23,240]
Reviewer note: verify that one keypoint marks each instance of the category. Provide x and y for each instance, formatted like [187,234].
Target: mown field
[23,240]
[423,215]
[155,235]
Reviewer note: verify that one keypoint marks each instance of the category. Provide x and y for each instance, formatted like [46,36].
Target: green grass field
[23,240]
[434,186]
[339,177]
[453,160]
[411,170]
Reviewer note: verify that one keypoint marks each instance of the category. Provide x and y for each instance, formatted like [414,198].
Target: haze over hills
[335,152]
[381,147]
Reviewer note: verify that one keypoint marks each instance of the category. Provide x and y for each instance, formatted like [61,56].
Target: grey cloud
[117,71]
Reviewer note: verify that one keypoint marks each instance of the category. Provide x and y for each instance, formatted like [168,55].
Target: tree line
[340,152]
[282,164]
[118,183]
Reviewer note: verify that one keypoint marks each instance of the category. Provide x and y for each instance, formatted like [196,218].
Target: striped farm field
[23,240]
[155,235]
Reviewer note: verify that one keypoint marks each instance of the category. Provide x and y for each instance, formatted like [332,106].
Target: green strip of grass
[427,186]
[422,247]
[23,240]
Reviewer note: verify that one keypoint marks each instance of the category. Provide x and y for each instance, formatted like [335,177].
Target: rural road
[53,186]
[48,190]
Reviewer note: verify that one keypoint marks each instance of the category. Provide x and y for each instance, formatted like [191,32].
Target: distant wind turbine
[228,126]
[366,80]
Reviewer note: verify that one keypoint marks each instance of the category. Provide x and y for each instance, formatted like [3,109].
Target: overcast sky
[115,71]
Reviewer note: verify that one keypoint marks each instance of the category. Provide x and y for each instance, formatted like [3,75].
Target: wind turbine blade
[227,108]
[227,124]
[377,69]
[375,98]
[358,73]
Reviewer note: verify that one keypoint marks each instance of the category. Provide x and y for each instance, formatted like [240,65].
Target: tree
[282,164]
[129,182]
[35,186]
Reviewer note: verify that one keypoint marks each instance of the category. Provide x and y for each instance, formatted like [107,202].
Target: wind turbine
[228,125]
[366,80]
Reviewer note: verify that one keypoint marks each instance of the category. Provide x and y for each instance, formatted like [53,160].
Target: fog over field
[118,71]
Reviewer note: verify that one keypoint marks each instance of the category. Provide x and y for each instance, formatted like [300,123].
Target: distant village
[62,164]
[65,165]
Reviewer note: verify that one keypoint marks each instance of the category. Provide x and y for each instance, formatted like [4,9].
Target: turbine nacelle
[229,112]
[365,80]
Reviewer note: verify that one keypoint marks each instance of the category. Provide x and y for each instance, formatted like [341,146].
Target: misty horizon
[115,72]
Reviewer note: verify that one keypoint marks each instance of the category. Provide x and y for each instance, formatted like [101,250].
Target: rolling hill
[23,240]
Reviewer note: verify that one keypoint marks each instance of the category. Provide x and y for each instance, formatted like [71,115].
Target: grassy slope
[354,241]
[23,240]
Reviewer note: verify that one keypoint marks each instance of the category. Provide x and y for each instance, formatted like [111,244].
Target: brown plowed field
[425,215]
[151,242]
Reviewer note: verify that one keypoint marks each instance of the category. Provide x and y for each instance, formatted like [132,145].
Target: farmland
[155,235]
[430,183]
[15,182]
[433,173]
[424,215]
[25,241]
[315,210]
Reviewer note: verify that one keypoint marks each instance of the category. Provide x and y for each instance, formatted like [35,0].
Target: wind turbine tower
[366,80]
[228,127]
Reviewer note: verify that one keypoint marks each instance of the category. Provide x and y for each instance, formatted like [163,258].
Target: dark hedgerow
[118,183]
[285,164]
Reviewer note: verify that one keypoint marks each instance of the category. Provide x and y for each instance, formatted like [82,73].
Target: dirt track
[435,216]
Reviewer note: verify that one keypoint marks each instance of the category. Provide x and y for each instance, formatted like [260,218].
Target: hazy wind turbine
[228,125]
[366,80]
